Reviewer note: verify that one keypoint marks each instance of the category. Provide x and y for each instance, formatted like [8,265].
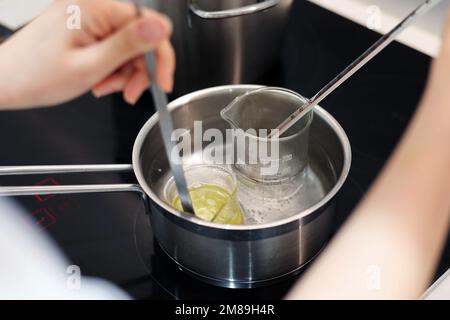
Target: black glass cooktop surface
[109,235]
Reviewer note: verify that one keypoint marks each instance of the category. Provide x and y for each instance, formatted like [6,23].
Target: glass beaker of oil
[213,190]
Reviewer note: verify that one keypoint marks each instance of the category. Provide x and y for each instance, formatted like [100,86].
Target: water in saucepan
[265,202]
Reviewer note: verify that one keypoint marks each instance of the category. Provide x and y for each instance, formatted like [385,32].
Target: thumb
[134,39]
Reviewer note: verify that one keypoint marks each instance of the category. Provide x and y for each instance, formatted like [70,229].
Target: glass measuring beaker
[213,191]
[252,116]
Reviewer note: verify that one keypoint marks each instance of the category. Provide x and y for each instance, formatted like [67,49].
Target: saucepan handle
[231,13]
[66,189]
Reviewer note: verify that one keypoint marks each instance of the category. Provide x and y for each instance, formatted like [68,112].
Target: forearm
[21,85]
[398,231]
[25,73]
[8,92]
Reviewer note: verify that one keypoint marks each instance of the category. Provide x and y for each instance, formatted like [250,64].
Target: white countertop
[424,35]
[440,290]
[15,13]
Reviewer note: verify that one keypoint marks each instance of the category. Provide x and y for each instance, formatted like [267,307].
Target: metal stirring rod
[368,55]
[166,125]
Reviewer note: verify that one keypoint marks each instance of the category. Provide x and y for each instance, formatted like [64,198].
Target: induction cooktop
[109,235]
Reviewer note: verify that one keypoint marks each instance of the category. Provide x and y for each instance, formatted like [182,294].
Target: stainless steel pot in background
[220,42]
[230,256]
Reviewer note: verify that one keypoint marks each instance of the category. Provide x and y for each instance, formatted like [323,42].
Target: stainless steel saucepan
[241,256]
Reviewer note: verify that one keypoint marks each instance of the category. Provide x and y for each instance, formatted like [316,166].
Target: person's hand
[47,62]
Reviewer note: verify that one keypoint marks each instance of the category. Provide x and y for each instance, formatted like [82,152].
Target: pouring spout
[230,115]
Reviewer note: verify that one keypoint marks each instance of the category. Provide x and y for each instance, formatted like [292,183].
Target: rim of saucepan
[204,93]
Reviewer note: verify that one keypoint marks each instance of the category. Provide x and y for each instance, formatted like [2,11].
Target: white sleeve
[32,267]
